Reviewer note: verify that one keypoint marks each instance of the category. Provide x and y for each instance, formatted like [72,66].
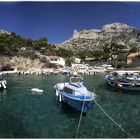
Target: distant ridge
[94,39]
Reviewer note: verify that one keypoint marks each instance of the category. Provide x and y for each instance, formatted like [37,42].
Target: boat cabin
[76,89]
[68,90]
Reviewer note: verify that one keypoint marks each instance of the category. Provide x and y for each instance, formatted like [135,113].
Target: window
[68,90]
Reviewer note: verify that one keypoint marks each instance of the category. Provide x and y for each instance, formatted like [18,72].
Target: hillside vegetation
[110,45]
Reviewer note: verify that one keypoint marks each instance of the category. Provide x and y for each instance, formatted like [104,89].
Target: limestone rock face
[21,63]
[117,27]
[4,32]
[94,39]
[87,34]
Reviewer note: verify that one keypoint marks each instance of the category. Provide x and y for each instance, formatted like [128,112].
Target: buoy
[4,86]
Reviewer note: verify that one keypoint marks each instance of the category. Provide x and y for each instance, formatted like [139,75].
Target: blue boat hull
[78,104]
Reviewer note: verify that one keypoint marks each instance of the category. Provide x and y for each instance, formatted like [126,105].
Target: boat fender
[56,93]
[60,98]
[4,86]
[134,84]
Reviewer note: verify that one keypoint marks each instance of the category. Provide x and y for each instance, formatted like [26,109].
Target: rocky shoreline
[21,65]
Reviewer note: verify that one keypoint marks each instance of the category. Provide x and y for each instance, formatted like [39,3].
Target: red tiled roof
[53,57]
[133,54]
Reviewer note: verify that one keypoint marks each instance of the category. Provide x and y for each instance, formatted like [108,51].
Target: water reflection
[36,93]
[3,94]
[23,115]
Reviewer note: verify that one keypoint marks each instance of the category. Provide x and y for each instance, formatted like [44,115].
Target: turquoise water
[24,115]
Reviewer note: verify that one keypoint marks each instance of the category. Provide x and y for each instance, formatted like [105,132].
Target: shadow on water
[12,127]
[69,111]
[121,91]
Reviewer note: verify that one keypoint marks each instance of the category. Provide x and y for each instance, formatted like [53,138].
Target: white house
[77,60]
[56,60]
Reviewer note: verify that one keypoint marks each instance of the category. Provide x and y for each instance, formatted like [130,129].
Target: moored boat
[65,71]
[36,90]
[133,77]
[75,94]
[126,85]
[125,82]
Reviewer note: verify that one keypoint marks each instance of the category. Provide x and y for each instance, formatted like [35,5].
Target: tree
[134,49]
[40,43]
[43,39]
[64,53]
[69,61]
[97,53]
[112,49]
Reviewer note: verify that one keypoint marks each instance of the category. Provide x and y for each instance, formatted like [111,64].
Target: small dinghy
[37,90]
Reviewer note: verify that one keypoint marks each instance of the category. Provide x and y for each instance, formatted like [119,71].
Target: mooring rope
[113,120]
[80,118]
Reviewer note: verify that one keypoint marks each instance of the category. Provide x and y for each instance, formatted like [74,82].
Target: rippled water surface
[24,115]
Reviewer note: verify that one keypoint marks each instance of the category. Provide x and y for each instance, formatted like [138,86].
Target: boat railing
[80,79]
[76,80]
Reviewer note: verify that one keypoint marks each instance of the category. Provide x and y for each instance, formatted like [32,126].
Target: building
[131,57]
[80,66]
[90,59]
[56,60]
[107,67]
[77,60]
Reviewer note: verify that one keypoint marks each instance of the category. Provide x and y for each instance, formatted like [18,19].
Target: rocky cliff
[4,32]
[20,63]
[94,39]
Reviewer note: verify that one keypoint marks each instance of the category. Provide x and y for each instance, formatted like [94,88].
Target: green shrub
[124,65]
[69,61]
[50,65]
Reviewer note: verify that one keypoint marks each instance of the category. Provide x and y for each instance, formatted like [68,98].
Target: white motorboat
[75,94]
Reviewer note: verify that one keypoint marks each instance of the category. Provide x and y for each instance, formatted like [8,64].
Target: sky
[57,20]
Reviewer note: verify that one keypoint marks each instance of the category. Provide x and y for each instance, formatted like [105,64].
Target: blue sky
[57,20]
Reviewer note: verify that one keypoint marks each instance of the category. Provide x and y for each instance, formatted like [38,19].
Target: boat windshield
[75,85]
[76,80]
[68,90]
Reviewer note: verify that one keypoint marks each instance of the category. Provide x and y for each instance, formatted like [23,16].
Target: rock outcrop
[20,63]
[4,32]
[94,39]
